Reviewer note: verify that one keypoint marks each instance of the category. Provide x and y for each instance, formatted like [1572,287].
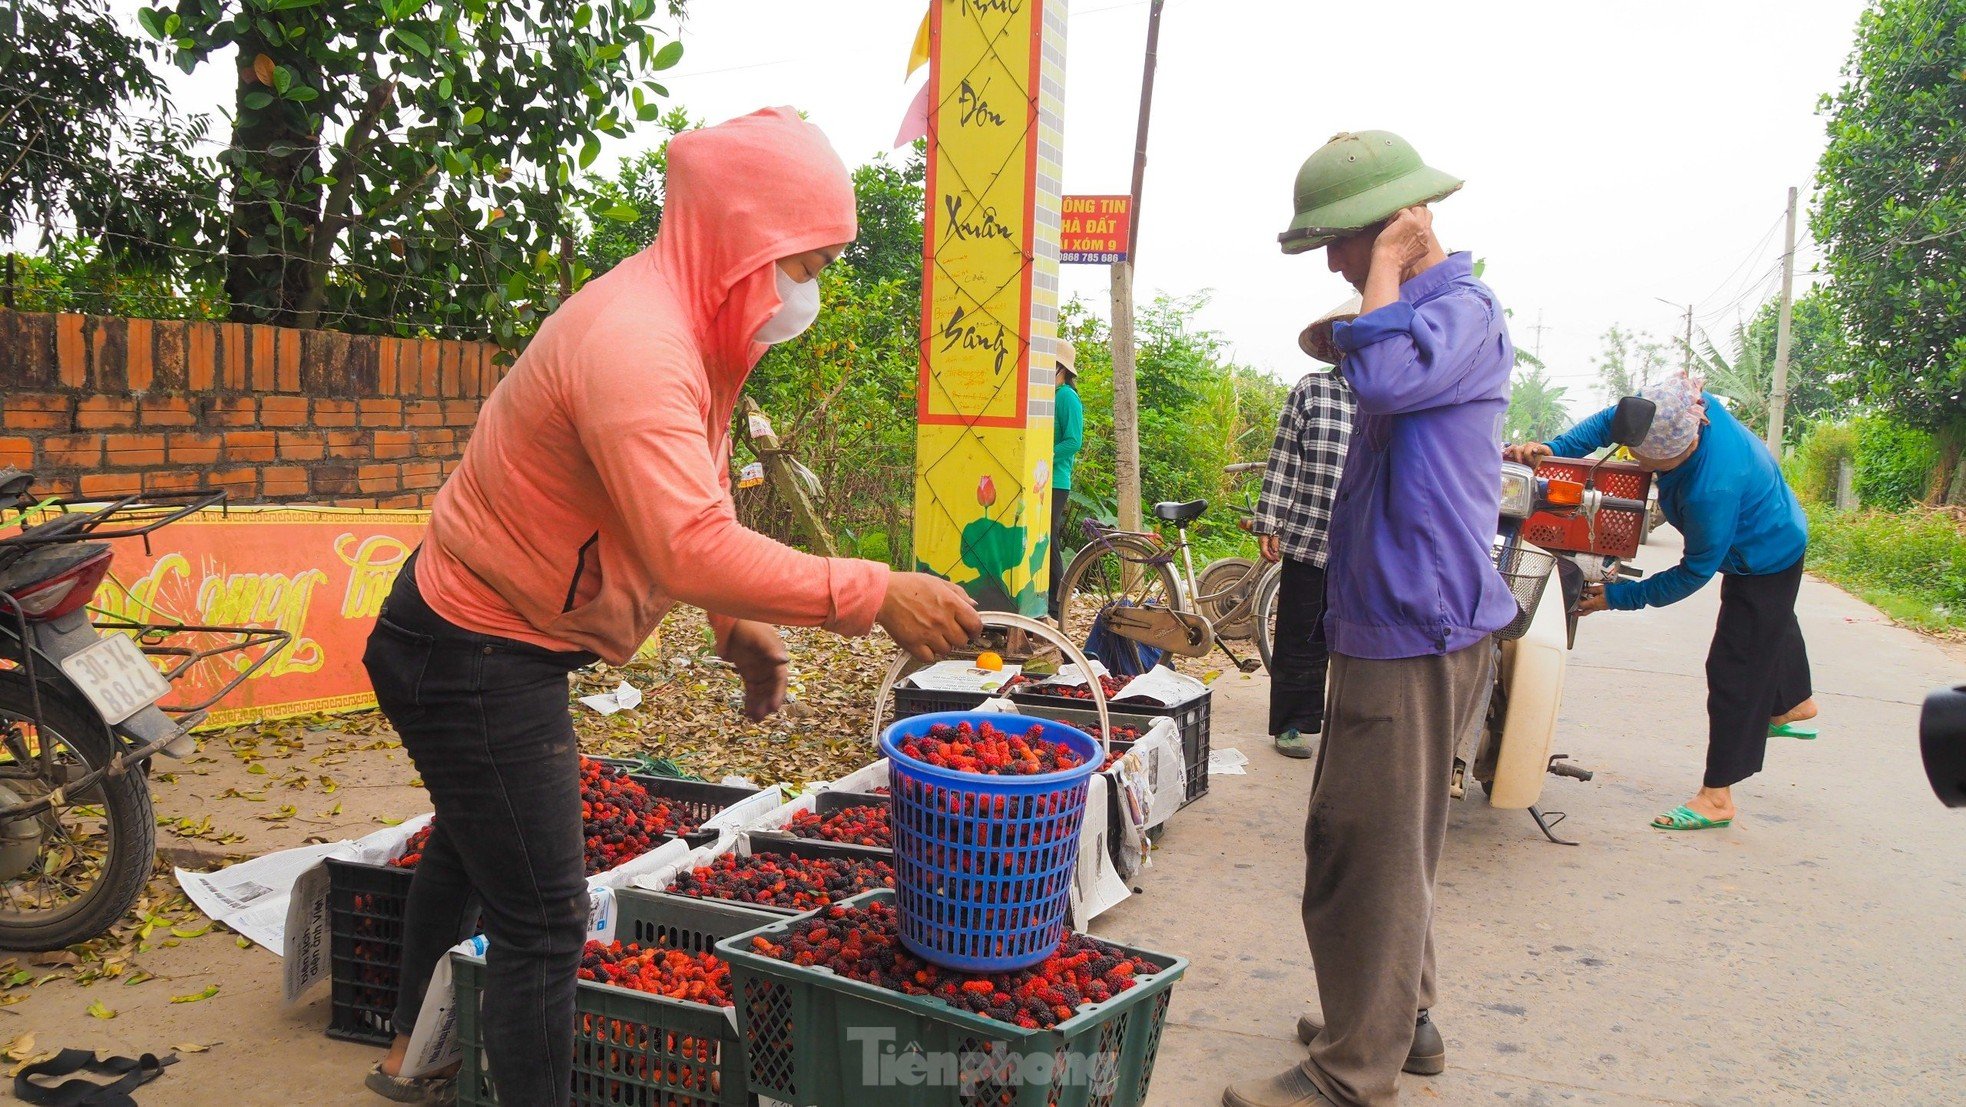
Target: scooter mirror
[1633,420]
[1942,736]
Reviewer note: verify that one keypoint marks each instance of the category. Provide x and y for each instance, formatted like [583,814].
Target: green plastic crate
[809,1036]
[632,1047]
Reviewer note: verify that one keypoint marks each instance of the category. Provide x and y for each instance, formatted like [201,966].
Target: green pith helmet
[1356,180]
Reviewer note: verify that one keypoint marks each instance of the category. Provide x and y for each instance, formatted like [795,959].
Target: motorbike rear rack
[85,520]
[153,640]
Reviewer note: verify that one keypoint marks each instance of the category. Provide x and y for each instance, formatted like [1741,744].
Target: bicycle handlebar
[1619,503]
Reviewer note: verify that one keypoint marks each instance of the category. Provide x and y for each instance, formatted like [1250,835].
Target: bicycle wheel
[1222,590]
[1098,578]
[1266,614]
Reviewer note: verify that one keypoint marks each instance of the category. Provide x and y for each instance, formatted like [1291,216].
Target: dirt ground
[1812,953]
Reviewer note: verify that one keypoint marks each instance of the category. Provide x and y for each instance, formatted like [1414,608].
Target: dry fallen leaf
[97,1010]
[208,993]
[193,1047]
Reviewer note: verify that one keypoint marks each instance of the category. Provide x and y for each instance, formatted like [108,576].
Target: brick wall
[103,406]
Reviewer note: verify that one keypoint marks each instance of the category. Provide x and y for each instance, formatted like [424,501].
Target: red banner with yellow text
[318,573]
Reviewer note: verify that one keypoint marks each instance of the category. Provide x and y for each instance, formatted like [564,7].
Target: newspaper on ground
[1075,677]
[960,676]
[1163,686]
[627,697]
[1227,761]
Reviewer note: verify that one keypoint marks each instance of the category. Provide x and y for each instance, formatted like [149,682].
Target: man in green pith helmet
[1068,434]
[1413,600]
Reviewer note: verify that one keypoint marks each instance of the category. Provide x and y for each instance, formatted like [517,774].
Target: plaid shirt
[1301,479]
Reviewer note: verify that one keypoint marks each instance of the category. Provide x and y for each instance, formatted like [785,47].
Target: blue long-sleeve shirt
[1411,570]
[1728,499]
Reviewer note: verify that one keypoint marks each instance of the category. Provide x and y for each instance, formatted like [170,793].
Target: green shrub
[1811,467]
[1910,563]
[1895,463]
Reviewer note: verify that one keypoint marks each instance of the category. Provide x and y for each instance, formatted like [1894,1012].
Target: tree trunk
[267,274]
[1949,479]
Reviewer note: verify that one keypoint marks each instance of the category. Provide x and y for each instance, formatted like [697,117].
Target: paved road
[1815,952]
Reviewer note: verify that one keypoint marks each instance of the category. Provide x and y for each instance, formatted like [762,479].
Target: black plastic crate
[365,919]
[1190,718]
[910,702]
[365,948]
[790,847]
[632,1047]
[826,805]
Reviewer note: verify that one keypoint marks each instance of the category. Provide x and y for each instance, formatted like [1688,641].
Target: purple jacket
[1411,568]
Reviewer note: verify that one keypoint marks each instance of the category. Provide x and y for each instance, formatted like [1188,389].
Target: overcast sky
[1614,153]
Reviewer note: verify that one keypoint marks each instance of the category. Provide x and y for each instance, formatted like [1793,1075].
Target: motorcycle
[81,713]
[1550,529]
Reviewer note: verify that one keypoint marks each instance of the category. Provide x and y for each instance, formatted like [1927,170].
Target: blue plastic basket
[983,864]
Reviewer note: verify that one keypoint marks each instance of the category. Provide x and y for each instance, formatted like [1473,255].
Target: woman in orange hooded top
[594,496]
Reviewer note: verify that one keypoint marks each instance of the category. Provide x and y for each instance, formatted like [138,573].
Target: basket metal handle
[905,665]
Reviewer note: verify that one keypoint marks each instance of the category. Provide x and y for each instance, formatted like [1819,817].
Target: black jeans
[1299,656]
[1060,501]
[485,720]
[1757,669]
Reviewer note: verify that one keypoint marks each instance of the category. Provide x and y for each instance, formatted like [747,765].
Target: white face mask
[799,308]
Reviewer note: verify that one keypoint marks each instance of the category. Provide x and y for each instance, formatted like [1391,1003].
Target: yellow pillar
[990,298]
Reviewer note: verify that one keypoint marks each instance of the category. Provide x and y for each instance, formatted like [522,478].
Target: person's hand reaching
[928,616]
[757,652]
[1528,453]
[1592,600]
[1272,548]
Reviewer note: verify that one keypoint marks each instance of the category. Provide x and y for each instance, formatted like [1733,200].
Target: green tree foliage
[1895,463]
[72,274]
[1199,412]
[1891,215]
[1812,467]
[1816,357]
[1537,412]
[89,144]
[636,186]
[1628,361]
[842,397]
[398,165]
[1742,377]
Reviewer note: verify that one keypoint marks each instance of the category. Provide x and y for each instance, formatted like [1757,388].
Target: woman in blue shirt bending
[1721,488]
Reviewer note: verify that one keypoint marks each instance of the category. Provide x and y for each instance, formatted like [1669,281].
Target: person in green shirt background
[1068,429]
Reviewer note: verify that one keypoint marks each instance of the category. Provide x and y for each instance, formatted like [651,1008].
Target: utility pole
[1778,398]
[1686,345]
[1126,388]
[1538,347]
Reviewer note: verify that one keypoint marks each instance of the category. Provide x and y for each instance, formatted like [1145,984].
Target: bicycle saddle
[1179,511]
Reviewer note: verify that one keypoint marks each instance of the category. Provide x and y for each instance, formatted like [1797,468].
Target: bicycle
[1139,594]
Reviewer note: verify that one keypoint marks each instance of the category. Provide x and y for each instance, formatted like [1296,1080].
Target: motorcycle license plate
[116,677]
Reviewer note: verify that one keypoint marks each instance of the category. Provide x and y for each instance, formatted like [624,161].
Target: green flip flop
[1793,730]
[1685,818]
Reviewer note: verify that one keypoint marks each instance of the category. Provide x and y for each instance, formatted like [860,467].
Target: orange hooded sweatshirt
[595,493]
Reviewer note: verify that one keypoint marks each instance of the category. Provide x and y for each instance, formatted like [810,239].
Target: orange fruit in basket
[990,660]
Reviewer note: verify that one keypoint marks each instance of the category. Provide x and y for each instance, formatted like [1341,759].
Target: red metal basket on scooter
[1613,533]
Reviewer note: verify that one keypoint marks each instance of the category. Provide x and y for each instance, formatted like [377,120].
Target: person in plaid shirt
[1292,517]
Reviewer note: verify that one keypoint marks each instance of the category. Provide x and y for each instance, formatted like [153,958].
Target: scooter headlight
[1518,490]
